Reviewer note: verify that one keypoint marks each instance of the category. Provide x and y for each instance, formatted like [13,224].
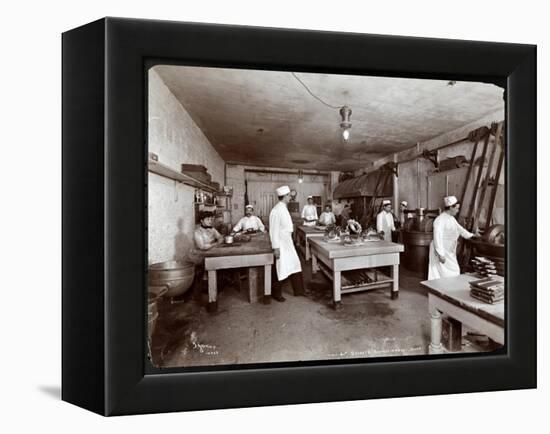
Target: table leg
[435,345]
[336,289]
[395,283]
[308,253]
[267,284]
[212,291]
[253,280]
[314,266]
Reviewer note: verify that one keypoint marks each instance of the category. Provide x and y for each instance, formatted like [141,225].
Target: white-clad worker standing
[443,261]
[327,217]
[249,222]
[287,263]
[403,214]
[309,213]
[384,220]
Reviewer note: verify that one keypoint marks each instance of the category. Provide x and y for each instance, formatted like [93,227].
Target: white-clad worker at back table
[403,215]
[327,217]
[287,263]
[384,220]
[446,230]
[249,222]
[309,213]
[401,219]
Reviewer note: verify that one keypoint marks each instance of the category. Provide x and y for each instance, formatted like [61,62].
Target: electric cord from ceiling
[313,95]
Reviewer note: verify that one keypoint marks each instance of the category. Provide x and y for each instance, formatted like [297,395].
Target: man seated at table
[249,222]
[327,217]
[206,236]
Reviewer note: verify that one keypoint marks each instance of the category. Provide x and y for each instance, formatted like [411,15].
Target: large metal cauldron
[417,236]
[492,246]
[417,251]
[176,276]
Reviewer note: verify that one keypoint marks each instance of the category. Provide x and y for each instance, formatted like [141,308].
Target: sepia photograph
[299,217]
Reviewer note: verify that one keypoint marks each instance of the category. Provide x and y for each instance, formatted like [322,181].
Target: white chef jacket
[327,218]
[280,233]
[246,223]
[446,233]
[384,222]
[309,213]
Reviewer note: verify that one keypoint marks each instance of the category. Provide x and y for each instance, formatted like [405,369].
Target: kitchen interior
[220,139]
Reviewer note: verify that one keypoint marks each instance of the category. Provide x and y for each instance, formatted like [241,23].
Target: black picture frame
[104,243]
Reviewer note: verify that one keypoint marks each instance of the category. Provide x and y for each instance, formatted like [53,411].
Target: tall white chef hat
[284,189]
[404,202]
[386,202]
[450,200]
[249,206]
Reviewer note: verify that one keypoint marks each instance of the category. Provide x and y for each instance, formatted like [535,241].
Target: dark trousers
[296,280]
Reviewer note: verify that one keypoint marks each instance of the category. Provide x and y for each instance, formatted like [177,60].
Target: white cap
[404,202]
[249,206]
[386,202]
[310,197]
[281,191]
[450,200]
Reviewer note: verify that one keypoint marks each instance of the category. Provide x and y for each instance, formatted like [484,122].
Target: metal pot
[417,250]
[175,275]
[229,239]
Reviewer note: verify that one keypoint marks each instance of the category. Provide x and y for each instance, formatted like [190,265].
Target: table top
[258,244]
[456,290]
[339,250]
[310,230]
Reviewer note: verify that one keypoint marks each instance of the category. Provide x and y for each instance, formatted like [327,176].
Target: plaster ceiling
[268,118]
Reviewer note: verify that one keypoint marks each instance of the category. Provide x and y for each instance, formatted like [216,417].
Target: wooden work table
[336,257]
[251,254]
[303,233]
[451,296]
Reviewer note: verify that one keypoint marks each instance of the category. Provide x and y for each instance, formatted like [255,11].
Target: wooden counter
[303,233]
[336,257]
[252,254]
[451,296]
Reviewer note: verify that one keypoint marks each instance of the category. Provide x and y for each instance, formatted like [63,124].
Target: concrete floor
[369,324]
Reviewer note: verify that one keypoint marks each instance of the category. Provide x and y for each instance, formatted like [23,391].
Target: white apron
[384,222]
[309,213]
[446,233]
[280,233]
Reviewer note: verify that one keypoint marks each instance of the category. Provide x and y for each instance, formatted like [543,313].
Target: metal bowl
[175,275]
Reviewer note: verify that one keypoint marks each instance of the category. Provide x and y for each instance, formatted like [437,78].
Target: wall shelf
[209,204]
[168,172]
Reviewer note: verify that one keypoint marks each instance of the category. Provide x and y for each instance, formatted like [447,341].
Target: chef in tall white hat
[446,230]
[384,220]
[249,222]
[287,263]
[309,213]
